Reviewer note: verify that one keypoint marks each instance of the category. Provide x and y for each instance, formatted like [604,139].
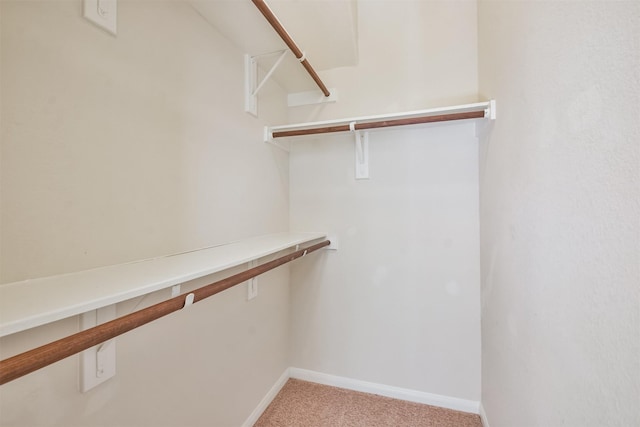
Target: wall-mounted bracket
[251,85]
[175,291]
[268,138]
[362,153]
[333,238]
[490,111]
[103,13]
[311,97]
[483,127]
[104,362]
[252,284]
[98,363]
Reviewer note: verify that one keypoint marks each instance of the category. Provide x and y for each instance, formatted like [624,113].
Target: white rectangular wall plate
[98,363]
[103,13]
[333,238]
[311,97]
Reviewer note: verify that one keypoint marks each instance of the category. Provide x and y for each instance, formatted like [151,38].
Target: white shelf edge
[30,303]
[429,111]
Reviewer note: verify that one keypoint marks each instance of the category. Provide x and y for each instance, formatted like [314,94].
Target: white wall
[398,304]
[560,226]
[412,54]
[127,139]
[128,147]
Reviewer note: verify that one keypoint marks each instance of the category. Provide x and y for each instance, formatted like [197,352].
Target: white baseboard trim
[267,399]
[483,416]
[455,403]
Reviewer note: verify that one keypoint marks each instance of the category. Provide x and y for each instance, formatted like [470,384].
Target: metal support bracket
[333,238]
[98,363]
[490,111]
[362,154]
[252,284]
[175,291]
[268,139]
[103,359]
[312,97]
[251,85]
[483,127]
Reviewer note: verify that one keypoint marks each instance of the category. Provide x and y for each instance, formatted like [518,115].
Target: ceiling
[326,30]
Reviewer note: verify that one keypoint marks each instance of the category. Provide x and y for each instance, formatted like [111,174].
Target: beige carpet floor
[305,404]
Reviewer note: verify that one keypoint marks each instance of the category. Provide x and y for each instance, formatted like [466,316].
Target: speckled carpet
[305,404]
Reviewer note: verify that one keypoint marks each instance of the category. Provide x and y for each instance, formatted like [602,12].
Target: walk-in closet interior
[435,201]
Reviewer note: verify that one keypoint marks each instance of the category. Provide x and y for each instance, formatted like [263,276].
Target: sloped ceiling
[324,29]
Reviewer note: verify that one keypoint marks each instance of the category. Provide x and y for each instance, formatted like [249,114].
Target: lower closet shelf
[30,303]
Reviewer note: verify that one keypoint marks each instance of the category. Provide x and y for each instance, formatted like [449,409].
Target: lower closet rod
[32,360]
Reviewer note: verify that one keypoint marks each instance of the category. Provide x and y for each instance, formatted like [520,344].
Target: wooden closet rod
[381,124]
[277,26]
[32,360]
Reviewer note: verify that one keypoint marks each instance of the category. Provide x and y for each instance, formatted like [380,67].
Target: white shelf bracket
[483,127]
[251,85]
[98,363]
[362,153]
[490,111]
[175,291]
[268,134]
[333,238]
[252,284]
[103,359]
[268,139]
[312,97]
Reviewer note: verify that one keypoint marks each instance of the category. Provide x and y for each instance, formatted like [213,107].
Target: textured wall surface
[122,148]
[398,304]
[560,216]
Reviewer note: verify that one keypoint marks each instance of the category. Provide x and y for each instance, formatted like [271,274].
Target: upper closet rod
[32,360]
[273,20]
[380,124]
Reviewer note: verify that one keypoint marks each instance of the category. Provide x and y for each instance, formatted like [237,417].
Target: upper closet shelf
[30,303]
[478,110]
